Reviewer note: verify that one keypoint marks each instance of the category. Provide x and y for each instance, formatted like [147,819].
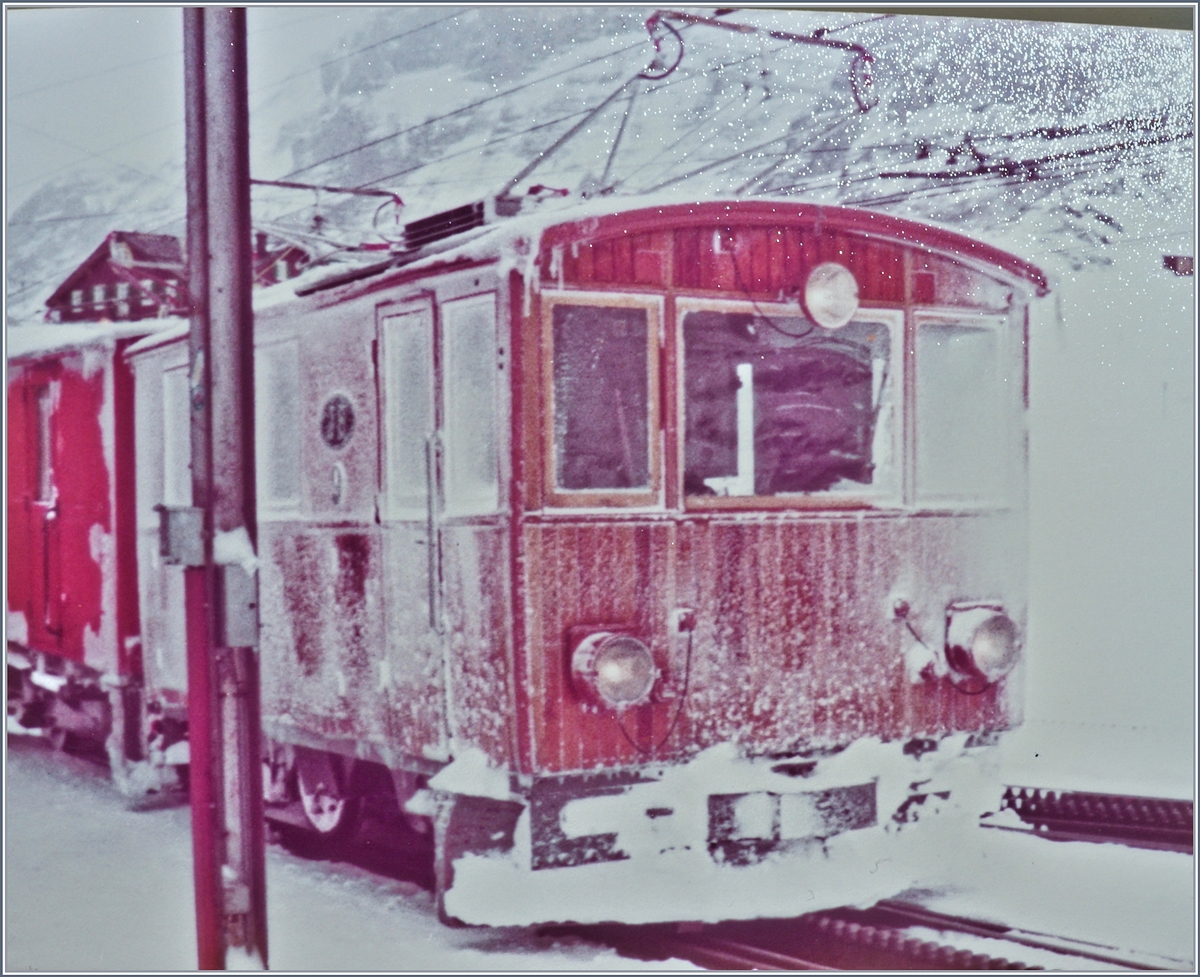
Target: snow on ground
[1109,758]
[1128,899]
[92,885]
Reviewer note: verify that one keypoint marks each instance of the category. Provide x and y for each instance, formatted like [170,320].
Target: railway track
[821,941]
[1146,822]
[891,935]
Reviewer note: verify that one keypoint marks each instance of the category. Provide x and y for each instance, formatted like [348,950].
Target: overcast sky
[104,85]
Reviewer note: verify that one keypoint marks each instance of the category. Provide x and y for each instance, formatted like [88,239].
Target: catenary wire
[453,112]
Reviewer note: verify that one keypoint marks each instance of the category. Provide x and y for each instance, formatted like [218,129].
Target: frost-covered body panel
[384,608]
[797,644]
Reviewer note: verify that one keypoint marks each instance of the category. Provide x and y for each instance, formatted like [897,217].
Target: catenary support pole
[223,711]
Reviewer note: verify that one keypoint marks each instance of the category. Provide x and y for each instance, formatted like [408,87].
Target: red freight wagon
[664,560]
[74,660]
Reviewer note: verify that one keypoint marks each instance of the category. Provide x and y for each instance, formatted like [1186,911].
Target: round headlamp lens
[981,647]
[624,671]
[617,668]
[831,295]
[994,647]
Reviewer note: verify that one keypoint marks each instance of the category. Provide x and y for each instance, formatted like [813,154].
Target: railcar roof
[517,241]
[42,338]
[848,220]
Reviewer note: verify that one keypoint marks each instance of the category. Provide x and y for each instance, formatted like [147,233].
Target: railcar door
[166,659]
[411,502]
[45,512]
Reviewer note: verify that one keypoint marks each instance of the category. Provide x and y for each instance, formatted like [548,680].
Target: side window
[963,406]
[776,405]
[278,421]
[408,415]
[604,394]
[177,438]
[469,343]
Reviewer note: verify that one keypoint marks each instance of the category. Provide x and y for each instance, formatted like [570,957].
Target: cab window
[965,399]
[776,405]
[603,385]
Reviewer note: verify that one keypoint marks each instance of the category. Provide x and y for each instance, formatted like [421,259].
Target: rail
[1148,822]
[879,938]
[835,940]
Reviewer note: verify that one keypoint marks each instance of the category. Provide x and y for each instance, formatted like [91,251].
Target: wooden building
[130,276]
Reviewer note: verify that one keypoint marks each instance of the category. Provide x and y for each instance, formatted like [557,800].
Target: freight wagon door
[410,514]
[45,512]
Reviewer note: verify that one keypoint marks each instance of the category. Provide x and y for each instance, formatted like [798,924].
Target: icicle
[556,264]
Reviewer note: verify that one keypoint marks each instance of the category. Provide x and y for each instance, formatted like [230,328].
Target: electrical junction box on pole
[237,607]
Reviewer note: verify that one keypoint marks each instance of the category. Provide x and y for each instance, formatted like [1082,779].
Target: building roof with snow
[130,276]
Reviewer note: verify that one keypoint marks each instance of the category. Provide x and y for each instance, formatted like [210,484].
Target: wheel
[333,818]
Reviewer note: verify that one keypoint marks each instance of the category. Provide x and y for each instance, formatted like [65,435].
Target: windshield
[777,404]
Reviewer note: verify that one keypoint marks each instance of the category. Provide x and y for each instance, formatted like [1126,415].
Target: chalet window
[147,291]
[177,438]
[77,298]
[603,377]
[98,294]
[44,471]
[469,343]
[965,397]
[776,405]
[278,419]
[122,291]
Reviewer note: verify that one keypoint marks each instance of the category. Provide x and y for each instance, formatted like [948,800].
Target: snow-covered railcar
[662,559]
[74,656]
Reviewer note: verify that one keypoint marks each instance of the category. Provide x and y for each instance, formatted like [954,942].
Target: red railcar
[688,538]
[74,660]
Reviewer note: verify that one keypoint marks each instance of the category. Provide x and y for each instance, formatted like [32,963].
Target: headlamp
[614,670]
[981,646]
[831,295]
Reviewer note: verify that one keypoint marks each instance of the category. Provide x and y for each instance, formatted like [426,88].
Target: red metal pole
[223,682]
[204,764]
[206,818]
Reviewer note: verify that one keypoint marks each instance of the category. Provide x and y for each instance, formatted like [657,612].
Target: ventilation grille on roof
[443,225]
